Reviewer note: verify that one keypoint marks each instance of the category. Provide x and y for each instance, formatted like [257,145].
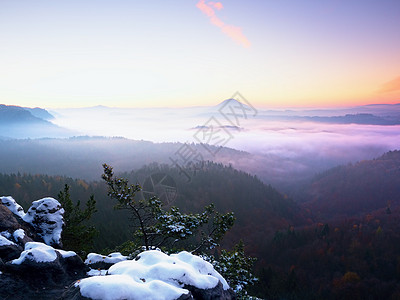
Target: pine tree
[77,235]
[156,227]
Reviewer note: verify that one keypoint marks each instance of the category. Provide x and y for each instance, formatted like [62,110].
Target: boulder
[21,237]
[46,216]
[218,292]
[103,262]
[8,220]
[42,265]
[12,225]
[13,206]
[8,249]
[16,288]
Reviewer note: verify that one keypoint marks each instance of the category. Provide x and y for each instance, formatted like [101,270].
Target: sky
[174,53]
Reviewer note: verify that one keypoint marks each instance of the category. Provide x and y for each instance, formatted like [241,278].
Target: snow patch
[13,206]
[94,272]
[6,234]
[112,258]
[66,254]
[19,234]
[152,275]
[40,252]
[200,265]
[5,242]
[46,215]
[116,287]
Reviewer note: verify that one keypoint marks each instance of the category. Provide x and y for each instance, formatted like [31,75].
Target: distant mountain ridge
[40,113]
[361,118]
[17,114]
[21,122]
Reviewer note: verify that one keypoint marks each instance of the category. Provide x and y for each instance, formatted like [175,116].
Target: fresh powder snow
[152,275]
[46,215]
[40,252]
[95,272]
[116,287]
[112,258]
[6,234]
[5,242]
[19,234]
[13,206]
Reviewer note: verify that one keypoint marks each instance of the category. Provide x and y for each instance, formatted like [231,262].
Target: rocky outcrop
[8,249]
[32,267]
[46,216]
[10,222]
[216,293]
[49,266]
[14,234]
[151,273]
[27,264]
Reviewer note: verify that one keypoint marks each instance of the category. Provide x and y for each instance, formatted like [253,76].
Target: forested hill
[356,189]
[17,114]
[19,122]
[82,157]
[260,210]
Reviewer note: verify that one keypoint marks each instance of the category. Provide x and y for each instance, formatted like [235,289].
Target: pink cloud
[216,5]
[234,32]
[391,86]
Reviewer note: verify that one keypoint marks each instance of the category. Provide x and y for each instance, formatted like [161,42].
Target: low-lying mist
[282,150]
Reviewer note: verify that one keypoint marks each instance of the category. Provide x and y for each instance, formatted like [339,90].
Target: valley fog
[282,149]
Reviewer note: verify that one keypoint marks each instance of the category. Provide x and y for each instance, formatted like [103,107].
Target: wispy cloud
[216,5]
[234,32]
[391,86]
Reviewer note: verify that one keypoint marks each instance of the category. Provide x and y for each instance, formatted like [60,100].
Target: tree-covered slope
[356,189]
[260,209]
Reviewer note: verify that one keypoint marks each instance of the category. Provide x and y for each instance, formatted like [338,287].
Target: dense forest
[259,209]
[357,258]
[355,189]
[340,240]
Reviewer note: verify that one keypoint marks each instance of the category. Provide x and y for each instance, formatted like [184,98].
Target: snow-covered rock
[39,252]
[29,266]
[8,220]
[98,261]
[97,272]
[5,242]
[125,287]
[42,263]
[13,206]
[46,216]
[19,235]
[8,249]
[112,258]
[34,270]
[155,275]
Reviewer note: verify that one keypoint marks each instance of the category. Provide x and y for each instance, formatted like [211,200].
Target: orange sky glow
[276,53]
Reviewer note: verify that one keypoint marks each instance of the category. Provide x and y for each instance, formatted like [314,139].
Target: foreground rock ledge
[32,268]
[73,293]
